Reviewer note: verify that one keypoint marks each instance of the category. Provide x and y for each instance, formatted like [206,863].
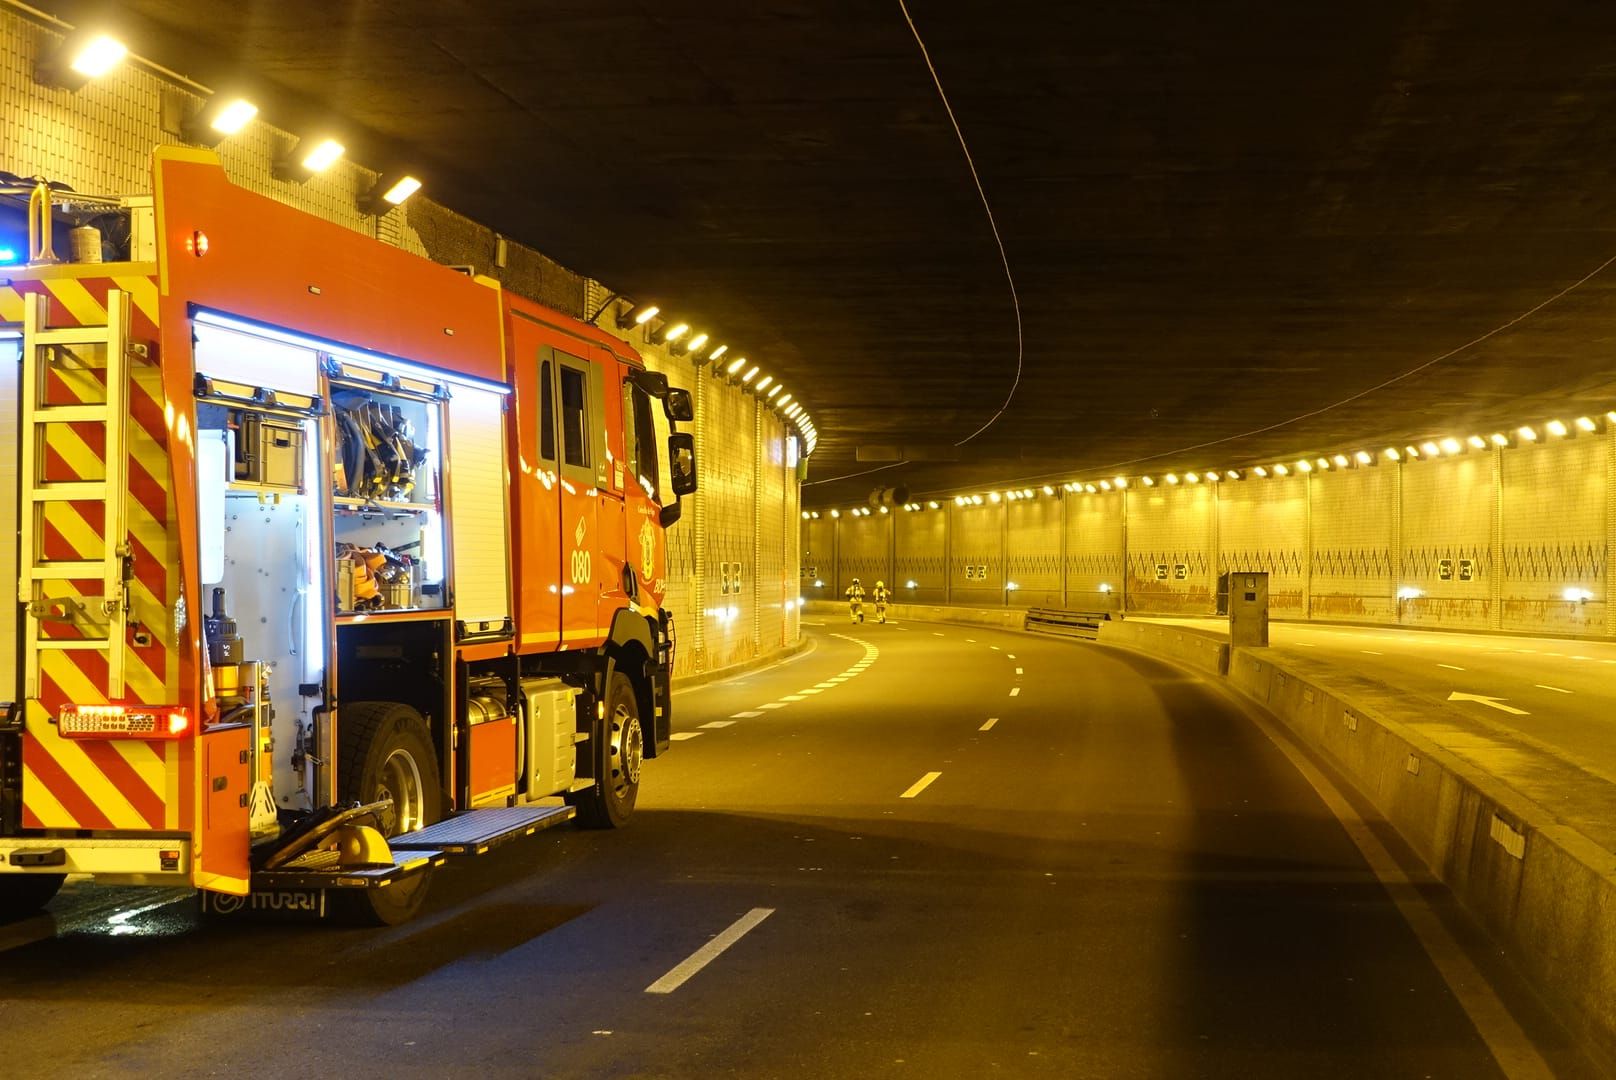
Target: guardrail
[1078,624]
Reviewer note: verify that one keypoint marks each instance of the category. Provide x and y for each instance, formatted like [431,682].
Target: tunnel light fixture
[1364,457]
[308,159]
[883,510]
[1170,479]
[718,352]
[1451,445]
[1148,481]
[1342,461]
[1092,490]
[976,500]
[785,400]
[1048,490]
[1477,442]
[1527,433]
[835,513]
[1323,464]
[637,315]
[675,332]
[1105,485]
[773,391]
[390,190]
[764,383]
[805,515]
[1011,586]
[83,55]
[1260,471]
[1105,586]
[1213,475]
[1120,483]
[911,584]
[1304,466]
[1556,428]
[1587,423]
[1281,470]
[1578,595]
[735,365]
[1192,478]
[1499,439]
[218,118]
[751,373]
[1392,454]
[1411,452]
[994,497]
[1430,449]
[323,155]
[1409,592]
[697,342]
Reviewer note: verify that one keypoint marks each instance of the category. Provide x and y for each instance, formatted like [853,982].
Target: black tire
[22,895]
[385,751]
[617,746]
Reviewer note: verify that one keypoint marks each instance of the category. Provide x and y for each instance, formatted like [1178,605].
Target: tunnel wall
[1487,540]
[732,558]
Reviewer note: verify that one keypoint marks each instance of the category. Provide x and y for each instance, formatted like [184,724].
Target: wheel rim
[401,782]
[627,750]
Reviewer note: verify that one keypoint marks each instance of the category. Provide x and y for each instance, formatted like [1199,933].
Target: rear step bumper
[477,831]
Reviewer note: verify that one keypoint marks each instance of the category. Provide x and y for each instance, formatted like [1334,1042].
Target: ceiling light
[98,56]
[1392,454]
[1091,489]
[675,332]
[1192,478]
[1498,438]
[1527,433]
[1342,461]
[1364,457]
[1048,490]
[1412,451]
[932,504]
[697,342]
[735,365]
[1147,481]
[776,390]
[1301,466]
[1556,428]
[994,496]
[751,373]
[763,383]
[1260,471]
[785,399]
[1213,476]
[1121,483]
[323,156]
[636,315]
[835,513]
[1430,449]
[1105,485]
[1324,463]
[1171,478]
[1586,423]
[1451,445]
[1477,442]
[716,353]
[976,500]
[390,190]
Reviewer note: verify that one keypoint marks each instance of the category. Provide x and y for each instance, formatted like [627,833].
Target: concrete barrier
[1198,649]
[1003,618]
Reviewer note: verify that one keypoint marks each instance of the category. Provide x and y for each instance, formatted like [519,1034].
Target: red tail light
[124,722]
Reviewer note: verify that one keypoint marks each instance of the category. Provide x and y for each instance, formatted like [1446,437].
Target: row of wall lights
[1526,435]
[86,54]
[680,339]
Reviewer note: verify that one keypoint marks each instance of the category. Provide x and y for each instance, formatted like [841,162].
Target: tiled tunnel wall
[1502,539]
[733,557]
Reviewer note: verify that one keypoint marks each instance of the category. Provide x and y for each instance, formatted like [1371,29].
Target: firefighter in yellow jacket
[855,601]
[880,595]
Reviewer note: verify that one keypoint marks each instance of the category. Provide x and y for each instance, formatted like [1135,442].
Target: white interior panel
[255,360]
[476,482]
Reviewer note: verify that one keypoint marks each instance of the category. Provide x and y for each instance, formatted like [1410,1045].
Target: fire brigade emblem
[647,550]
[578,533]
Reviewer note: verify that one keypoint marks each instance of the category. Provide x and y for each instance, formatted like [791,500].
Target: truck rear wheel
[617,746]
[22,895]
[386,753]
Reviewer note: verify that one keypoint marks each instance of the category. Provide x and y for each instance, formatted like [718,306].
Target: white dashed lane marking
[920,785]
[719,724]
[1018,671]
[773,705]
[809,690]
[1451,667]
[1015,691]
[681,736]
[747,715]
[790,697]
[1371,652]
[988,725]
[709,952]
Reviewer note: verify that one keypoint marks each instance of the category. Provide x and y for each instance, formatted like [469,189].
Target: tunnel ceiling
[1230,225]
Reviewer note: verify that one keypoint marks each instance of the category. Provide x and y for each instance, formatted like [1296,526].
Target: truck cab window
[645,445]
[574,417]
[546,413]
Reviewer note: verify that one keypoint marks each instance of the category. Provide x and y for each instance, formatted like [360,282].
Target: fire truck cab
[333,563]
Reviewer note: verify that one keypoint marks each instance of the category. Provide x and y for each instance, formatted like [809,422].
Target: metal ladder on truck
[45,584]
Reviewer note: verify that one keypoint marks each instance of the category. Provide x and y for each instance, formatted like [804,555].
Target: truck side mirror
[678,406]
[682,462]
[653,383]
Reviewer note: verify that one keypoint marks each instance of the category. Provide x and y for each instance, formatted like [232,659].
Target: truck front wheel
[616,746]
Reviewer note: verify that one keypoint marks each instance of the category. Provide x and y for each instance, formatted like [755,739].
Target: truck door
[579,393]
[537,479]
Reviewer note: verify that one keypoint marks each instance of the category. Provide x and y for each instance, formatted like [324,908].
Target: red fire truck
[334,563]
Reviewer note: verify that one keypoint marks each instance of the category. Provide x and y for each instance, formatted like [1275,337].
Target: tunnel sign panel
[1181,571]
[1467,569]
[1444,569]
[1161,571]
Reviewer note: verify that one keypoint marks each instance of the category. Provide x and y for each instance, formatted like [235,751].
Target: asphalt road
[922,851]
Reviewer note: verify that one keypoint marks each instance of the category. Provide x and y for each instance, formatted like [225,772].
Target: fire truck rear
[333,564]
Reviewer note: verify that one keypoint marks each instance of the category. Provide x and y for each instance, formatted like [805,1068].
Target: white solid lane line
[1556,689]
[989,725]
[791,697]
[1371,652]
[747,715]
[935,634]
[719,724]
[1015,691]
[681,736]
[1451,667]
[1513,1051]
[920,785]
[823,685]
[773,705]
[709,952]
[1018,671]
